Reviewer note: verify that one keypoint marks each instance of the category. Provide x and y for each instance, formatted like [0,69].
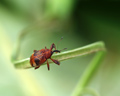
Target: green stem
[88,91]
[88,73]
[92,48]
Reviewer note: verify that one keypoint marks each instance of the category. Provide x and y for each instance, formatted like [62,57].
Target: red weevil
[40,56]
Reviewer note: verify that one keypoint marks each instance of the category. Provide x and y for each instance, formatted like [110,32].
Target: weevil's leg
[48,65]
[52,46]
[55,61]
[35,51]
[37,67]
[45,47]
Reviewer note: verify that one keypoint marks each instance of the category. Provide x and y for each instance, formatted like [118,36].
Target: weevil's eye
[37,61]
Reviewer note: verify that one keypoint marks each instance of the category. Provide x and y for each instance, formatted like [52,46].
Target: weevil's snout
[56,51]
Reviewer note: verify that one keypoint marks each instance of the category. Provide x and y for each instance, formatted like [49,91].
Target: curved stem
[90,91]
[88,73]
[92,48]
[84,80]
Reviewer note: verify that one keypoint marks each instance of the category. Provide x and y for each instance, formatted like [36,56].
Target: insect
[41,56]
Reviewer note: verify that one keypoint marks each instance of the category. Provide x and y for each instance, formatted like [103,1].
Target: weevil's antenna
[59,41]
[63,49]
[57,46]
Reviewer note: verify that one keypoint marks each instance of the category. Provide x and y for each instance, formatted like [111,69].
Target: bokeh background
[44,22]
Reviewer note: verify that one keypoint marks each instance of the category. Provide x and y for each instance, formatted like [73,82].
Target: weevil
[41,56]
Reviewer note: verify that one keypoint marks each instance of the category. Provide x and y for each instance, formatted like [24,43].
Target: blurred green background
[44,22]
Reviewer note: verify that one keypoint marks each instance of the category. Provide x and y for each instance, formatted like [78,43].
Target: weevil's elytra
[40,56]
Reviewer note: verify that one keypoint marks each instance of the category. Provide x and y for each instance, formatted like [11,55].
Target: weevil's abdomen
[48,53]
[32,60]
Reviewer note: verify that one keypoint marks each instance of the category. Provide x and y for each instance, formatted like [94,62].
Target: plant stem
[88,73]
[92,48]
[92,67]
